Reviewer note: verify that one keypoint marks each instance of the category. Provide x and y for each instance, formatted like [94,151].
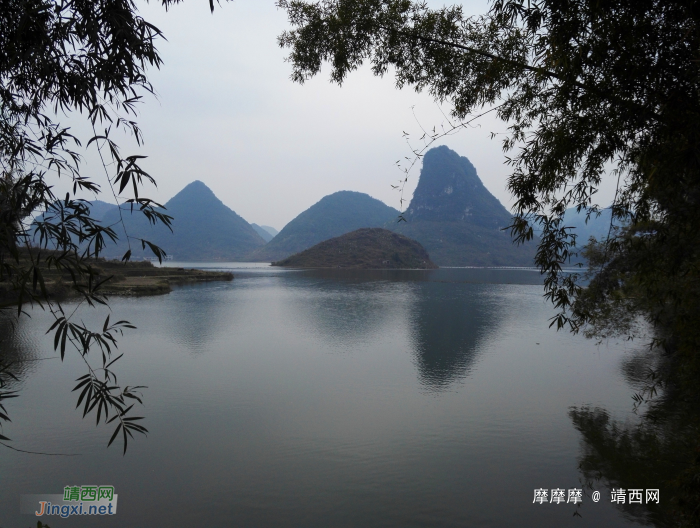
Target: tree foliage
[86,59]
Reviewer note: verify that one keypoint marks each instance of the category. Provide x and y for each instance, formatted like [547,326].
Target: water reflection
[271,423]
[18,359]
[194,328]
[659,450]
[637,366]
[444,320]
[17,350]
[349,313]
[355,276]
[451,275]
[449,321]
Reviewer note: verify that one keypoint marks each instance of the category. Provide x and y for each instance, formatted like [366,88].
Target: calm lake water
[327,399]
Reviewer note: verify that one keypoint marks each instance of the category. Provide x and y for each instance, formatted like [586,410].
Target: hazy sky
[227,114]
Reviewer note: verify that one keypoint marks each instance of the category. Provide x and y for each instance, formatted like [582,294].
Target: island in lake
[366,248]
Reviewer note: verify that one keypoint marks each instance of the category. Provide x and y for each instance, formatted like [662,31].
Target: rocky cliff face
[449,190]
[456,218]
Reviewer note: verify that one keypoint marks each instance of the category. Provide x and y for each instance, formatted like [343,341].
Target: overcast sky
[227,114]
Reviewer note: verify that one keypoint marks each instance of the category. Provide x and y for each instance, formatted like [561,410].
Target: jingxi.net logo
[76,500]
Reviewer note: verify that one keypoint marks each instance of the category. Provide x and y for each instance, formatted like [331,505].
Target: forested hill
[367,248]
[332,216]
[203,229]
[456,219]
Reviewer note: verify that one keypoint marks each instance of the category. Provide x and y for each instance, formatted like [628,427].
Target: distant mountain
[367,248]
[98,209]
[332,216]
[456,219]
[264,233]
[203,229]
[597,227]
[270,230]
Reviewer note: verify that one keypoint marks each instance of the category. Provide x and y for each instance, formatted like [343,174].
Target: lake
[327,398]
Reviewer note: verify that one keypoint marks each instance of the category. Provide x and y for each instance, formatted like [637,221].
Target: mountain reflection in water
[325,398]
[445,313]
[448,322]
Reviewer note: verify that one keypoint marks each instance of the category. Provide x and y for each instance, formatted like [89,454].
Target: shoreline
[135,279]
